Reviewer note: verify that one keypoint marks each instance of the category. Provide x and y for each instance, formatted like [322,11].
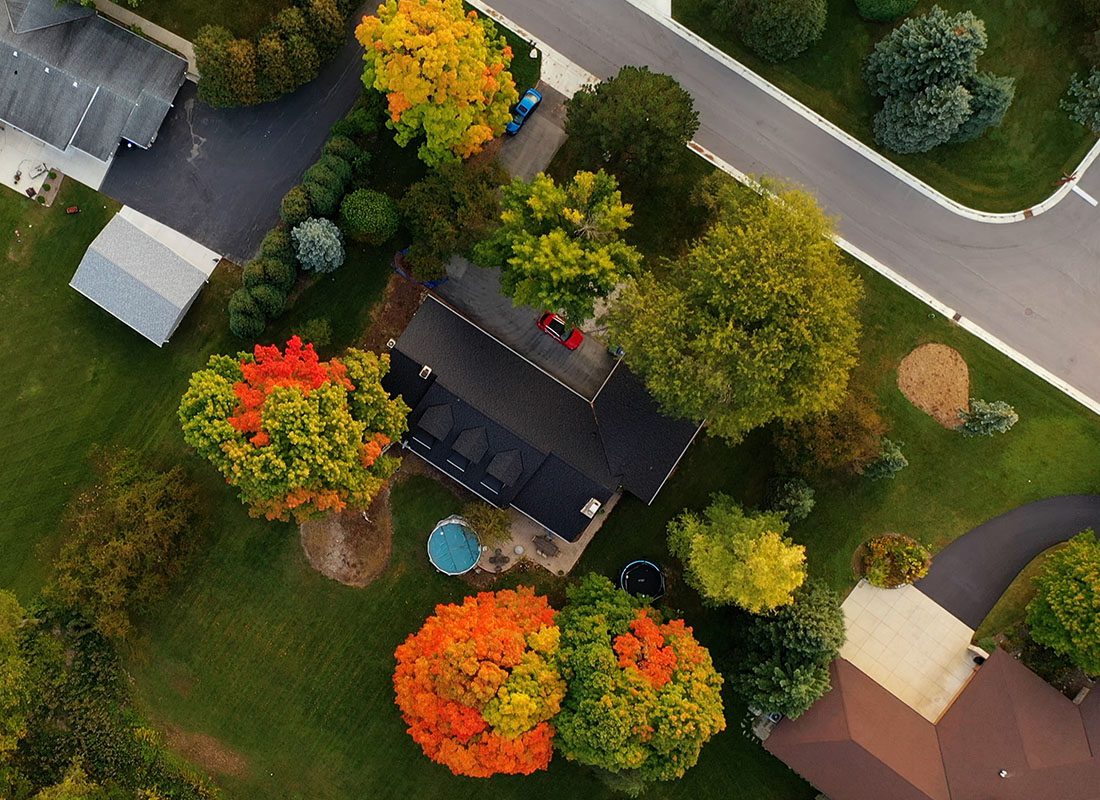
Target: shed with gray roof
[143,273]
[71,78]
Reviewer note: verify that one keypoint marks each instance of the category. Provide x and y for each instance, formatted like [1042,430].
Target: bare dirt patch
[935,379]
[399,303]
[352,547]
[207,752]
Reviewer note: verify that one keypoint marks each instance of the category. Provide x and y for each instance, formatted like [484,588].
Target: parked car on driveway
[528,103]
[554,326]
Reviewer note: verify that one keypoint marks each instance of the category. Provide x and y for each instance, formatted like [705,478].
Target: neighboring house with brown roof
[1007,736]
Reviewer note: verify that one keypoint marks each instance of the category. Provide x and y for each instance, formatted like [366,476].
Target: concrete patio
[20,152]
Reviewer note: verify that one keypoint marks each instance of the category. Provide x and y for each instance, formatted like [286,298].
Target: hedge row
[286,54]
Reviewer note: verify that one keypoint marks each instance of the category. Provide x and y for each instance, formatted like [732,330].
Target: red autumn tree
[296,435]
[478,684]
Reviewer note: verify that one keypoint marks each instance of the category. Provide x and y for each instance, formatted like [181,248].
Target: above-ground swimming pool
[643,578]
[453,547]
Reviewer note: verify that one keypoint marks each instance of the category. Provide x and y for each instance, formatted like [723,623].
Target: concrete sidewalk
[162,36]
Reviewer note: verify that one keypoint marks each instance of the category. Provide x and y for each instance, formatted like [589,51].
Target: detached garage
[144,273]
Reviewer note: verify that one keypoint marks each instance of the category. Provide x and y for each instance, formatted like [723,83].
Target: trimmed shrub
[326,23]
[1082,100]
[271,300]
[792,497]
[337,166]
[242,302]
[317,332]
[492,525]
[270,272]
[884,10]
[278,246]
[324,174]
[296,207]
[890,462]
[245,326]
[341,147]
[323,199]
[362,121]
[228,66]
[987,418]
[319,245]
[893,560]
[778,30]
[369,216]
[274,77]
[917,123]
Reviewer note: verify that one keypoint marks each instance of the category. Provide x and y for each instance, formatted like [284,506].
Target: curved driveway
[1034,284]
[969,576]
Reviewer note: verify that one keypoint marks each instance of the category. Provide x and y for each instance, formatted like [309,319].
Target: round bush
[360,165]
[884,10]
[241,302]
[271,300]
[369,216]
[337,166]
[295,208]
[778,30]
[342,147]
[317,332]
[324,175]
[270,272]
[893,560]
[323,199]
[360,122]
[277,245]
[319,245]
[246,326]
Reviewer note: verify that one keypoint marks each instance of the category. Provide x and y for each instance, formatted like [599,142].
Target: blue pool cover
[453,548]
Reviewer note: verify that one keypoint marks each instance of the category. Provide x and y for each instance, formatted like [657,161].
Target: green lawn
[1010,168]
[1011,609]
[245,18]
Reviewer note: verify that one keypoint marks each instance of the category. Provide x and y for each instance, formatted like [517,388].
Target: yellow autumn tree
[735,558]
[444,73]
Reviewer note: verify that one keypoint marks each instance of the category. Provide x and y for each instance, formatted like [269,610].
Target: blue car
[528,103]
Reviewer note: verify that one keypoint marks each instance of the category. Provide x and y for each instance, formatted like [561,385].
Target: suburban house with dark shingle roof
[72,79]
[515,436]
[1008,735]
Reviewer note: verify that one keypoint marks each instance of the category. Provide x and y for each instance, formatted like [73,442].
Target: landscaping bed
[1010,168]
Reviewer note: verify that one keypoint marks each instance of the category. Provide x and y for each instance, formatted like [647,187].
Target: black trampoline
[643,579]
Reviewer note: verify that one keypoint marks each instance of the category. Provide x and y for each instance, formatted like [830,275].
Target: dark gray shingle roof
[32,15]
[84,81]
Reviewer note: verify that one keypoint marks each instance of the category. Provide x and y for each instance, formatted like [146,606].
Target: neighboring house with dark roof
[144,273]
[514,435]
[73,79]
[1007,736]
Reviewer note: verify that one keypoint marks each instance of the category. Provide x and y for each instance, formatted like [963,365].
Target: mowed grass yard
[1010,168]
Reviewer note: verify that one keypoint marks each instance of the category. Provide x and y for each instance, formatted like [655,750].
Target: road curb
[855,144]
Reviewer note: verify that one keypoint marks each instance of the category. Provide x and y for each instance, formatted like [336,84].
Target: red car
[553,325]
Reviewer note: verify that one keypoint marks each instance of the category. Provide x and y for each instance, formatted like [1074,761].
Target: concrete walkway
[969,576]
[162,36]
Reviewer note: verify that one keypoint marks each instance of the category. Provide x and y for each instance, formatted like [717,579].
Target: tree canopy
[444,72]
[776,30]
[643,695]
[296,435]
[479,683]
[1065,612]
[559,247]
[757,322]
[730,557]
[635,123]
[782,658]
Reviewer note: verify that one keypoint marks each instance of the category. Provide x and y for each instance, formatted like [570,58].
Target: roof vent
[591,507]
[47,69]
[392,343]
[425,371]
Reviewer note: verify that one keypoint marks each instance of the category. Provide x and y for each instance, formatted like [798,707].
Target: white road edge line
[873,263]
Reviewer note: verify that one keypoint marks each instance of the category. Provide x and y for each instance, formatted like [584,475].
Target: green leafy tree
[295,207]
[301,49]
[990,97]
[342,147]
[642,695]
[776,30]
[15,686]
[449,210]
[326,26]
[493,525]
[75,785]
[558,247]
[756,323]
[985,418]
[127,538]
[274,75]
[1065,612]
[1082,100]
[889,463]
[894,559]
[933,49]
[783,657]
[917,123]
[884,10]
[369,216]
[636,123]
[228,67]
[844,440]
[297,436]
[319,245]
[730,557]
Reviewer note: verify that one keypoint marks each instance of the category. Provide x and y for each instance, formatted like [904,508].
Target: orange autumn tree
[478,684]
[444,73]
[296,435]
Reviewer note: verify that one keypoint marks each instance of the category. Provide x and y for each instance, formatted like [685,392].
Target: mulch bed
[935,378]
[392,315]
[352,547]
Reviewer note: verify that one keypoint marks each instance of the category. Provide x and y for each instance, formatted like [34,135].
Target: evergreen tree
[986,418]
[917,123]
[990,97]
[1082,100]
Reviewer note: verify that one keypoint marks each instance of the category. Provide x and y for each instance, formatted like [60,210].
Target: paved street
[1033,284]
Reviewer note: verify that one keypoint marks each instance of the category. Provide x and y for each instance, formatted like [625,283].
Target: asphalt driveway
[217,175]
[969,576]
